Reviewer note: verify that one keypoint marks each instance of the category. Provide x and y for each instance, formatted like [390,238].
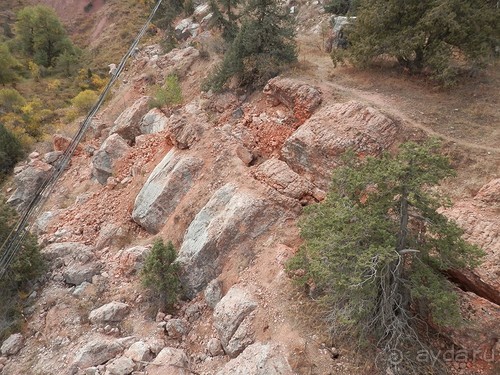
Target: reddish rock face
[62,142]
[302,98]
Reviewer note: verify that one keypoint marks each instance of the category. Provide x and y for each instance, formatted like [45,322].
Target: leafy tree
[41,35]
[26,267]
[425,35]
[84,101]
[377,247]
[161,274]
[11,151]
[7,65]
[264,45]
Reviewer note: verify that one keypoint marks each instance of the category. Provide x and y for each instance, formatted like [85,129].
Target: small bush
[169,94]
[11,100]
[11,151]
[84,101]
[161,274]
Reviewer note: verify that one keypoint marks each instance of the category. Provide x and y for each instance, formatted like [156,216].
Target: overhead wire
[14,240]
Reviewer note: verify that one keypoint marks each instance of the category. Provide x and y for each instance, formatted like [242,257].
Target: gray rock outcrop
[232,218]
[12,345]
[258,359]
[169,361]
[103,162]
[96,352]
[120,366]
[27,183]
[232,320]
[165,187]
[127,125]
[153,122]
[110,312]
[213,293]
[76,273]
[316,147]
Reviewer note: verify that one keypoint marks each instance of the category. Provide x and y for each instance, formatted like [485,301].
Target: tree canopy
[376,248]
[41,35]
[7,65]
[261,48]
[437,36]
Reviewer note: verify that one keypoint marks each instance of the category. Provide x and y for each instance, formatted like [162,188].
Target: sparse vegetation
[169,94]
[160,274]
[84,101]
[375,251]
[440,38]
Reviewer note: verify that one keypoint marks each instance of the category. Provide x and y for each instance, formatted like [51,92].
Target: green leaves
[375,248]
[41,35]
[160,273]
[262,47]
[7,65]
[425,35]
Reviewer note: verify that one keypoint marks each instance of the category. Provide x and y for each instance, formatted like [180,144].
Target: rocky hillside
[225,177]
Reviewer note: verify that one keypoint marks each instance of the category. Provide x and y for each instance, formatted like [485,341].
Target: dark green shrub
[160,274]
[11,151]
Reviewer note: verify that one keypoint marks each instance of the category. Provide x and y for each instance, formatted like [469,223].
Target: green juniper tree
[160,274]
[375,251]
[41,35]
[263,46]
[11,151]
[224,17]
[425,35]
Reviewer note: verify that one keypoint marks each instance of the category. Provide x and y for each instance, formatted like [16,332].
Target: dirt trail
[322,68]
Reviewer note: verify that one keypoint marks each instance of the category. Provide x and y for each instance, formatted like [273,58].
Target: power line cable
[14,240]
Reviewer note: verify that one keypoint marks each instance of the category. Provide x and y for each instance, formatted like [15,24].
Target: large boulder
[12,345]
[232,219]
[278,175]
[96,352]
[258,359]
[229,315]
[169,361]
[186,126]
[110,312]
[127,125]
[316,147]
[77,273]
[27,183]
[103,162]
[301,98]
[139,352]
[179,60]
[61,143]
[153,122]
[164,189]
[120,366]
[67,250]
